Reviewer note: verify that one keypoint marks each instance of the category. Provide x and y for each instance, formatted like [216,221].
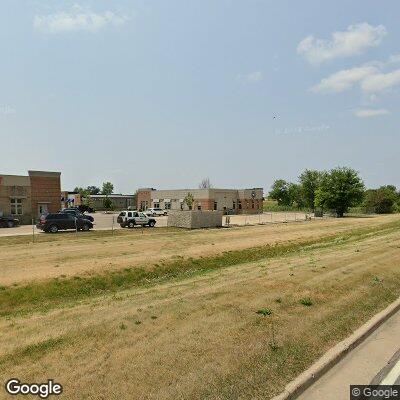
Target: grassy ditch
[40,296]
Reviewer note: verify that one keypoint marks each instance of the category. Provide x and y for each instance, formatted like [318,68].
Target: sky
[164,93]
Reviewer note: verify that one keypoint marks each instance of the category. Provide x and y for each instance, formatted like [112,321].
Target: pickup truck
[131,218]
[8,222]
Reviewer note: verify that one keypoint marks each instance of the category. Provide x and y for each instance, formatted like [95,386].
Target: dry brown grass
[68,255]
[201,338]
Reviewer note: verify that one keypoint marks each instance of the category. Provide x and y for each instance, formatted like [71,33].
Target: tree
[295,195]
[93,190]
[189,200]
[88,191]
[339,189]
[205,184]
[107,189]
[309,182]
[83,192]
[280,192]
[107,203]
[382,200]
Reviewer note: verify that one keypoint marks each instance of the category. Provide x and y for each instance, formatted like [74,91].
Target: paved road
[105,221]
[375,361]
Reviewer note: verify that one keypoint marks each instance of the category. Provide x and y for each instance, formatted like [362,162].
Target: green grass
[34,351]
[272,206]
[41,296]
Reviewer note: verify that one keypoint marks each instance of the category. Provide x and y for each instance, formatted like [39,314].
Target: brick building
[232,201]
[118,201]
[70,199]
[27,197]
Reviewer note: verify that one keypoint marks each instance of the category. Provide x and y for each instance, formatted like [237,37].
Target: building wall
[119,202]
[246,201]
[143,199]
[45,190]
[18,187]
[75,199]
[29,191]
[195,219]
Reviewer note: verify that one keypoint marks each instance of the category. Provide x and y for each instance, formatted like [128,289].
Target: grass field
[170,314]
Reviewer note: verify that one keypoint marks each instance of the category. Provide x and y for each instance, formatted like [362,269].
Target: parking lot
[108,221]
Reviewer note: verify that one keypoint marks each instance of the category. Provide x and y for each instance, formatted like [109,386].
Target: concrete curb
[335,354]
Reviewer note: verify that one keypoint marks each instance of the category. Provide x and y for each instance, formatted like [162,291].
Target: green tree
[189,200]
[93,190]
[339,189]
[107,189]
[280,192]
[107,203]
[295,195]
[83,192]
[309,182]
[382,200]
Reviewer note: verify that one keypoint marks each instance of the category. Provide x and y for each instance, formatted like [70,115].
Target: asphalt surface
[375,361]
[107,221]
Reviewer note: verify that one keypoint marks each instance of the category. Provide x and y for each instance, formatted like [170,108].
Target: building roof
[121,196]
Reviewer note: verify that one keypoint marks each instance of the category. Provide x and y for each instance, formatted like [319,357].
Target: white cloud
[394,59]
[370,112]
[252,77]
[77,19]
[380,81]
[343,80]
[355,40]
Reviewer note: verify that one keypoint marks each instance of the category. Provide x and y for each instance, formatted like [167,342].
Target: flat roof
[99,196]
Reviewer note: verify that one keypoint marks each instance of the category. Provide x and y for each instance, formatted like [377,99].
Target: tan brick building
[70,199]
[26,197]
[232,201]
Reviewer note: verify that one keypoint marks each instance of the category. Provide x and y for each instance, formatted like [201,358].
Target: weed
[306,302]
[264,311]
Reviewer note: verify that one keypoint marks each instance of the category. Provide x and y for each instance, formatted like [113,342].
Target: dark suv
[76,213]
[62,221]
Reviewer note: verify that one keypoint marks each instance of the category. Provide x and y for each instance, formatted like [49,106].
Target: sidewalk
[364,364]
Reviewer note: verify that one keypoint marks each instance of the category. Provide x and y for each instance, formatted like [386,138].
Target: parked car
[155,212]
[63,221]
[77,213]
[131,218]
[8,222]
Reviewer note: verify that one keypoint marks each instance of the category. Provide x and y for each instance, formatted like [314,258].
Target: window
[156,205]
[129,214]
[167,206]
[234,205]
[199,206]
[215,205]
[16,206]
[240,205]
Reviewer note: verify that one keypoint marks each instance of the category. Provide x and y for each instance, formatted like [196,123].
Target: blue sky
[164,93]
